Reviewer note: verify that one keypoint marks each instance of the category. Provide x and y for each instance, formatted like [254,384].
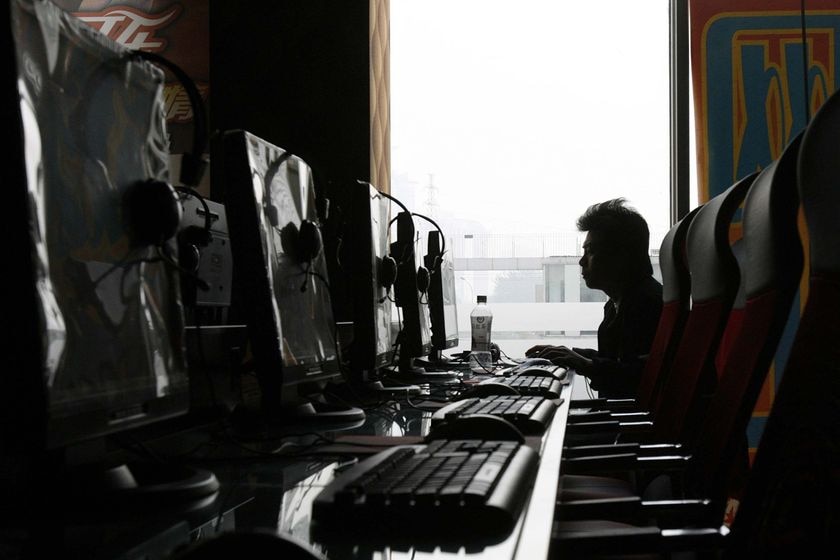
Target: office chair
[791,501]
[691,376]
[772,269]
[609,471]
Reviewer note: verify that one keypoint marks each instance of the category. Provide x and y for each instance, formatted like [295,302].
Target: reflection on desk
[271,484]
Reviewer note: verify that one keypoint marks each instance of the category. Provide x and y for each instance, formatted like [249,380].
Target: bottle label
[481,333]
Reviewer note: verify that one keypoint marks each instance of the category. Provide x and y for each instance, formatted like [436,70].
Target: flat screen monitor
[277,250]
[442,308]
[103,327]
[357,245]
[414,337]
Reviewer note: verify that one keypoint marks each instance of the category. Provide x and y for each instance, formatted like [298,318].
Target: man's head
[615,250]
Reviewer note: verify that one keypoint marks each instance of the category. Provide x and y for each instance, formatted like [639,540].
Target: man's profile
[615,260]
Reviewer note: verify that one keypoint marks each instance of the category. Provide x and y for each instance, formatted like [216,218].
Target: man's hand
[561,356]
[534,351]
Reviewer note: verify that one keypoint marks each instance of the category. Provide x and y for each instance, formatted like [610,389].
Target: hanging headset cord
[124,263]
[307,272]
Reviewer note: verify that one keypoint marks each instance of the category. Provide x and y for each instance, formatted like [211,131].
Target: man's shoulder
[648,287]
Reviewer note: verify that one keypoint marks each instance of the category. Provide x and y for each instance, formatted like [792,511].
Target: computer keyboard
[530,414]
[463,488]
[532,385]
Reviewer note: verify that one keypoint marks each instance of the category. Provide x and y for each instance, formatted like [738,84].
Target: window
[507,121]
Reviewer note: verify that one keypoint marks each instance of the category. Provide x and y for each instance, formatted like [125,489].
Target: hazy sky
[523,113]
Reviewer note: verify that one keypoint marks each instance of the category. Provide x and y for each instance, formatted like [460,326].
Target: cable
[208,217]
[167,258]
[124,263]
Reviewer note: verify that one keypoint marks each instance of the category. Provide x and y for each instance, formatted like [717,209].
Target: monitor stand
[148,482]
[261,423]
[436,362]
[138,485]
[408,371]
[318,410]
[370,387]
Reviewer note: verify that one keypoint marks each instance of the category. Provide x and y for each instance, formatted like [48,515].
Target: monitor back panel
[109,309]
[270,193]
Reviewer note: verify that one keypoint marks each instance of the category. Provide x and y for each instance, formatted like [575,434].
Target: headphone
[423,279]
[405,222]
[153,212]
[192,239]
[303,243]
[386,272]
[154,208]
[193,163]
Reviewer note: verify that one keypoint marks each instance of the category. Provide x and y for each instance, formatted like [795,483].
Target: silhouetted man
[615,260]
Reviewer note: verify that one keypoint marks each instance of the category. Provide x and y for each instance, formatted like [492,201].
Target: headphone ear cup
[189,256]
[387,271]
[309,241]
[423,279]
[273,215]
[153,212]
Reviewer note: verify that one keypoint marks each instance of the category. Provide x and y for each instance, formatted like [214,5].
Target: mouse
[528,362]
[477,426]
[558,373]
[487,389]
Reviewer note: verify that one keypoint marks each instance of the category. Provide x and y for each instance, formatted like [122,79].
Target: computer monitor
[277,251]
[97,346]
[363,274]
[414,339]
[442,308]
[363,271]
[413,336]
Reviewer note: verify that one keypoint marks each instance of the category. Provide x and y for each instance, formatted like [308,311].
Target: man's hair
[622,230]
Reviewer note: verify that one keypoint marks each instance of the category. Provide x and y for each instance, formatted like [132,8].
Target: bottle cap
[481,299]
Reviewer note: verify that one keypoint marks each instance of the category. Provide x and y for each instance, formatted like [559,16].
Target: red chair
[691,377]
[792,502]
[676,302]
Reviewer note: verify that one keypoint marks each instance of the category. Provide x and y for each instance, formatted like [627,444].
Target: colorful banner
[754,83]
[179,31]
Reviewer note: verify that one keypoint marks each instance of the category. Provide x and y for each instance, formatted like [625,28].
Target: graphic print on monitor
[277,247]
[99,224]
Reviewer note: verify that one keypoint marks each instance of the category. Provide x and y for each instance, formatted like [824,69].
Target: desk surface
[283,496]
[271,485]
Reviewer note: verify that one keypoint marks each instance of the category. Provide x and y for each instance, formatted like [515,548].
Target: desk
[275,493]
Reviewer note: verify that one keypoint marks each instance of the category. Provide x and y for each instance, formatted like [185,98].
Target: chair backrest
[771,269]
[791,504]
[714,283]
[736,314]
[676,302]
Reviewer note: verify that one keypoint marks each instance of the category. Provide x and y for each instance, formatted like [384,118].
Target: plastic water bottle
[481,321]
